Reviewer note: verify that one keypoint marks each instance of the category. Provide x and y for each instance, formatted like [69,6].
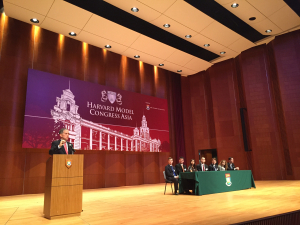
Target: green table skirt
[210,182]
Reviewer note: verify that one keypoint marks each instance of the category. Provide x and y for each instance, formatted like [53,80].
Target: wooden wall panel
[151,168]
[287,55]
[134,168]
[113,70]
[226,113]
[72,59]
[35,167]
[94,169]
[115,169]
[95,65]
[266,145]
[47,51]
[147,79]
[131,74]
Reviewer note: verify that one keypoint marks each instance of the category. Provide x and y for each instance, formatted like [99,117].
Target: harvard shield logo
[228,179]
[68,163]
[111,96]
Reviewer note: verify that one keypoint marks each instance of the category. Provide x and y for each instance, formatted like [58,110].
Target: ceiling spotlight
[34,20]
[136,56]
[252,18]
[134,9]
[161,64]
[179,71]
[107,46]
[72,33]
[188,36]
[206,45]
[235,5]
[268,31]
[222,53]
[166,25]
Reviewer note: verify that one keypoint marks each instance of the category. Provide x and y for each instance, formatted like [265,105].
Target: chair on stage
[167,181]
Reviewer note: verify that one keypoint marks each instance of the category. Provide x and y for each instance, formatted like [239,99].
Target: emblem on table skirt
[148,107]
[68,163]
[228,179]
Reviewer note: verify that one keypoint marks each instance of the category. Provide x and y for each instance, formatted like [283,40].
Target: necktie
[66,148]
[203,167]
[173,171]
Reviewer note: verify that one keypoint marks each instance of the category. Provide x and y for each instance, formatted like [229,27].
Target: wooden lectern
[64,184]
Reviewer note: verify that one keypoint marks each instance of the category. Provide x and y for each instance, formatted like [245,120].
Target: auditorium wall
[265,80]
[23,46]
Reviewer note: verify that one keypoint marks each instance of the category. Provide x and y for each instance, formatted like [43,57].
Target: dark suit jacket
[233,166]
[199,167]
[169,173]
[55,150]
[178,168]
[211,167]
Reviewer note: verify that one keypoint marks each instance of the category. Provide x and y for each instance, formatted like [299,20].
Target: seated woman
[192,167]
[223,165]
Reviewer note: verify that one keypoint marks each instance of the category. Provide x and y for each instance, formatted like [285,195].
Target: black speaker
[245,129]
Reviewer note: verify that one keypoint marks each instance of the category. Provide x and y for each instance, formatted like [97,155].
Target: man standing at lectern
[62,146]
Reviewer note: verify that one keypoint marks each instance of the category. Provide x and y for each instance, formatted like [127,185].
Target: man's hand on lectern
[62,142]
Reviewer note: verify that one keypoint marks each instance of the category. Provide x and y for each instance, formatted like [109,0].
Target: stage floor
[147,204]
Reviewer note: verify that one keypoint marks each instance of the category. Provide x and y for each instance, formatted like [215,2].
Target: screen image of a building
[87,135]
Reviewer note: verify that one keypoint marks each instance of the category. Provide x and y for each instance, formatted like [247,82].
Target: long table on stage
[210,182]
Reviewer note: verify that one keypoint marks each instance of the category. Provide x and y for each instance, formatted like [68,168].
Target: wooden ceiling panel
[69,14]
[144,57]
[245,11]
[267,7]
[266,24]
[59,27]
[176,28]
[285,18]
[220,34]
[110,30]
[101,42]
[152,47]
[197,64]
[145,12]
[180,58]
[22,14]
[215,47]
[158,5]
[189,16]
[241,45]
[38,6]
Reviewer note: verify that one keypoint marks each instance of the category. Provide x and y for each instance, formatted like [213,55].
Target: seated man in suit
[213,166]
[202,166]
[171,174]
[230,164]
[180,167]
[62,146]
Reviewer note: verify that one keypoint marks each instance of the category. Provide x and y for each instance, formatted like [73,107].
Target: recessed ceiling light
[179,71]
[222,53]
[72,33]
[161,64]
[34,20]
[166,25]
[252,18]
[134,9]
[107,46]
[206,45]
[188,36]
[268,31]
[235,5]
[136,56]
